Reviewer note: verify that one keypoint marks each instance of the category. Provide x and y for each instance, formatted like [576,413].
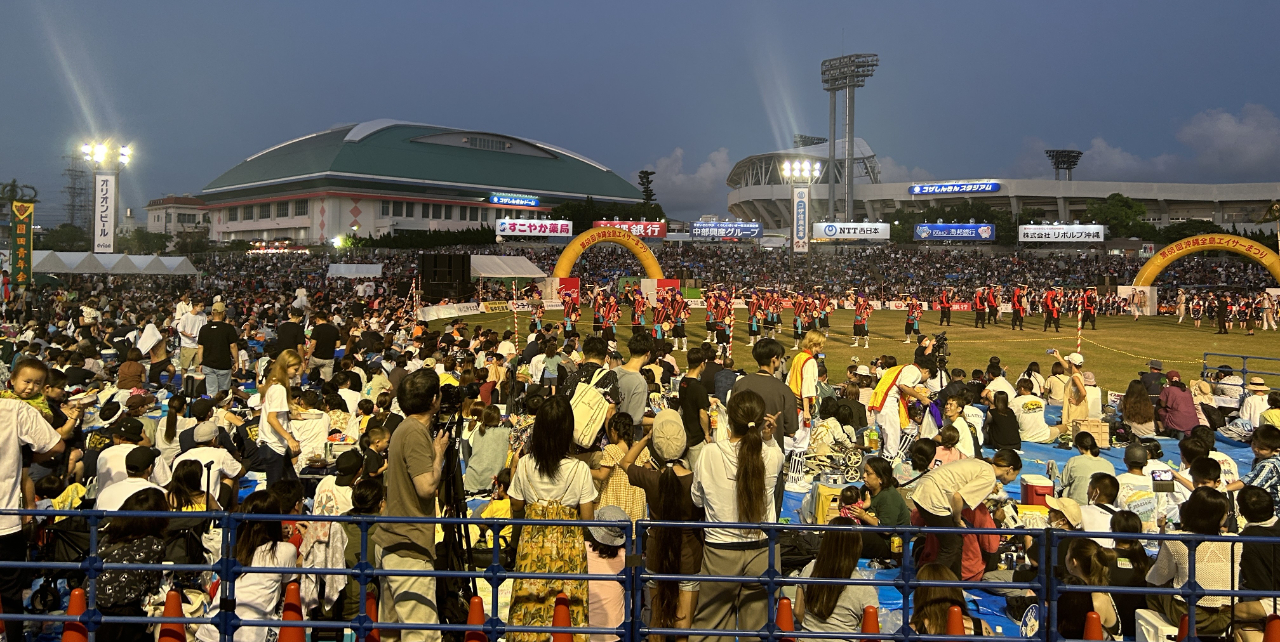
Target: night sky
[1167,91]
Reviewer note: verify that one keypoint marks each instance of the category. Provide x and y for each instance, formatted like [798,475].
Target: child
[1205,471]
[53,493]
[498,508]
[288,494]
[604,543]
[618,490]
[1266,466]
[948,438]
[366,408]
[374,442]
[850,497]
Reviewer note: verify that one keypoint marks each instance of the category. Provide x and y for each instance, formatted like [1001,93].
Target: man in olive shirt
[414,465]
[778,398]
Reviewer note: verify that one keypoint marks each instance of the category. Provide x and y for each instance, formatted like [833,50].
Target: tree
[419,239]
[239,245]
[65,238]
[192,242]
[1123,216]
[1188,228]
[646,186]
[142,242]
[584,213]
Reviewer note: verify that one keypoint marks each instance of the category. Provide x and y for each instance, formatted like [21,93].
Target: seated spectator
[220,468]
[1091,563]
[1055,386]
[490,444]
[1207,436]
[174,423]
[258,543]
[606,601]
[1255,401]
[1137,412]
[834,608]
[1217,565]
[1177,407]
[1258,561]
[1130,569]
[882,505]
[948,438]
[1137,493]
[131,540]
[290,496]
[965,442]
[1093,395]
[996,383]
[930,605]
[311,429]
[1003,430]
[333,493]
[131,373]
[1095,517]
[1030,412]
[1078,473]
[366,500]
[1271,416]
[139,464]
[187,492]
[498,507]
[1266,464]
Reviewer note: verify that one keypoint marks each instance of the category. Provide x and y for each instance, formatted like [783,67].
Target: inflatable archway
[1203,243]
[607,235]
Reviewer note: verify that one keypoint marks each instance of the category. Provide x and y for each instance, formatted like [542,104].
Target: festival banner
[717,230]
[104,213]
[497,306]
[800,219]
[21,224]
[642,229]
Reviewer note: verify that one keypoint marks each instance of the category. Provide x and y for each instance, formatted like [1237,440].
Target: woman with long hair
[1032,374]
[834,608]
[930,605]
[1136,409]
[1089,562]
[187,489]
[258,543]
[1132,571]
[131,540]
[174,423]
[733,481]
[490,445]
[1217,566]
[882,505]
[1002,423]
[275,434]
[669,495]
[548,484]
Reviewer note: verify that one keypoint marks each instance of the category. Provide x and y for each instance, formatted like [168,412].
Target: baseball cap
[1069,508]
[219,306]
[349,465]
[205,432]
[1076,359]
[129,430]
[1136,455]
[138,460]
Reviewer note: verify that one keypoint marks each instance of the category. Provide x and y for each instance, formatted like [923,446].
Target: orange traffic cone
[476,616]
[955,621]
[371,610]
[561,618]
[786,619]
[75,631]
[1182,629]
[1271,632]
[870,619]
[1092,626]
[172,631]
[292,613]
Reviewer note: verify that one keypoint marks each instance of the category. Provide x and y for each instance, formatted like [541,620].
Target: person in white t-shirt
[1137,492]
[188,326]
[998,383]
[1030,412]
[111,462]
[138,464]
[1096,516]
[274,434]
[20,425]
[908,383]
[333,493]
[221,467]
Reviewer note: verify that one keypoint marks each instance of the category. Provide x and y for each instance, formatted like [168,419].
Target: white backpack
[589,409]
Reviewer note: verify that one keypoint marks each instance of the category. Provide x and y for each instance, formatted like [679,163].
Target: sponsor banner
[800,219]
[983,232]
[1061,233]
[518,200]
[104,213]
[468,308]
[518,227]
[707,231]
[21,227]
[869,231]
[497,306]
[570,286]
[642,229]
[518,306]
[553,305]
[954,187]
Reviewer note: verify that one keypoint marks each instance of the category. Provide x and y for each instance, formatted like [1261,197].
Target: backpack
[589,408]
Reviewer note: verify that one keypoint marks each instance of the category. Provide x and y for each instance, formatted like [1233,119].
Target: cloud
[689,196]
[892,172]
[1103,162]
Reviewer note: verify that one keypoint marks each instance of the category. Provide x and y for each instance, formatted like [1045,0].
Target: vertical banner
[20,254]
[800,219]
[104,213]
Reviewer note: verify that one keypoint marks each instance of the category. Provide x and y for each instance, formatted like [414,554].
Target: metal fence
[1046,585]
[1261,366]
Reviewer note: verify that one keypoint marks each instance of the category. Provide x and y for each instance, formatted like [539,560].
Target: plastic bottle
[873,438]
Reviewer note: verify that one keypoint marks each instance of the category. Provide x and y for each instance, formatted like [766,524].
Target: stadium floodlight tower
[847,73]
[1063,159]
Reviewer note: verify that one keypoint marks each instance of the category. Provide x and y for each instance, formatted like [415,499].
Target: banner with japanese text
[104,213]
[642,229]
[21,225]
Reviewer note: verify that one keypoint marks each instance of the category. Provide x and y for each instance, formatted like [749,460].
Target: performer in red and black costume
[1052,310]
[979,309]
[944,305]
[1019,302]
[1089,308]
[993,304]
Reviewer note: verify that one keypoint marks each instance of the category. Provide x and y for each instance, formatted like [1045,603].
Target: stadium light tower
[107,158]
[847,73]
[1063,159]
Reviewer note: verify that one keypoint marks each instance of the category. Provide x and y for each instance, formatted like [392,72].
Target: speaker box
[403,288]
[444,276]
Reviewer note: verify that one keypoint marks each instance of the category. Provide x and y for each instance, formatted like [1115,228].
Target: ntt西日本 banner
[867,231]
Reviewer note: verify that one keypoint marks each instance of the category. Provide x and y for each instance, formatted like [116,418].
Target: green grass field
[1116,352]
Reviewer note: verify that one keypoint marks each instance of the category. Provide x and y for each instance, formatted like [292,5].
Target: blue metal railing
[633,578]
[1271,363]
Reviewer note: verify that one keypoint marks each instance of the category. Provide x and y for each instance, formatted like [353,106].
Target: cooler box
[1152,627]
[1035,488]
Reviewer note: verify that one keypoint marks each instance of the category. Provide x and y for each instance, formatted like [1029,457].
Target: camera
[451,398]
[940,347]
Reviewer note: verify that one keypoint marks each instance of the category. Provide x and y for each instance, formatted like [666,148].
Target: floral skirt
[548,549]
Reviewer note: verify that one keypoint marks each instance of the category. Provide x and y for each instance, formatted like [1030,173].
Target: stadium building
[381,176]
[760,192]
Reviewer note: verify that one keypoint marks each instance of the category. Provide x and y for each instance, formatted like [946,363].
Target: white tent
[147,264]
[355,270]
[46,261]
[508,267]
[178,265]
[82,263]
[118,264]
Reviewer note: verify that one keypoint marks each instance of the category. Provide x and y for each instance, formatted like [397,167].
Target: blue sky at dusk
[1170,91]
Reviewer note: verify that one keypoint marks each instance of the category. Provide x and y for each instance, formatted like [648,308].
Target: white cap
[863,370]
[255,402]
[1076,359]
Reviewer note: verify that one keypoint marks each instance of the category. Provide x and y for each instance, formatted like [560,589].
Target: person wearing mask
[412,478]
[732,482]
[943,493]
[217,350]
[779,400]
[1096,514]
[1078,472]
[834,608]
[1217,565]
[549,484]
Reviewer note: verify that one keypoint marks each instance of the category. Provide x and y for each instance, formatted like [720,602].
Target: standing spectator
[189,326]
[943,493]
[280,444]
[548,484]
[633,390]
[694,404]
[617,490]
[1079,470]
[324,344]
[20,426]
[412,477]
[217,350]
[779,400]
[732,481]
[290,335]
[725,379]
[604,557]
[835,608]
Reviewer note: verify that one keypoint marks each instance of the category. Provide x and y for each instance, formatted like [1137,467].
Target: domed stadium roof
[413,154]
